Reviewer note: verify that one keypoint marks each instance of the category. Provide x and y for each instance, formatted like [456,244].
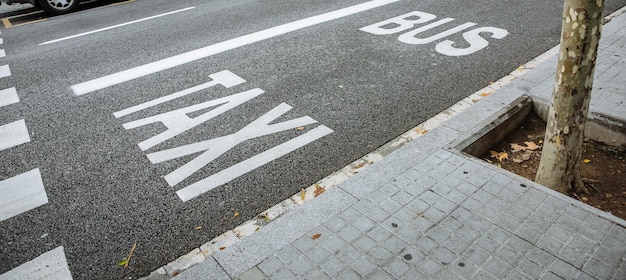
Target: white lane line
[157,66]
[13,134]
[5,71]
[8,97]
[2,53]
[50,265]
[21,193]
[115,26]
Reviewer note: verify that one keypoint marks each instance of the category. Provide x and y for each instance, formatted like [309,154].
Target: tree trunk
[559,168]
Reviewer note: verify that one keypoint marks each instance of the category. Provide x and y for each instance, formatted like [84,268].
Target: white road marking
[5,71]
[157,66]
[1,41]
[50,265]
[21,193]
[214,148]
[225,78]
[13,134]
[250,164]
[2,53]
[114,26]
[178,122]
[8,97]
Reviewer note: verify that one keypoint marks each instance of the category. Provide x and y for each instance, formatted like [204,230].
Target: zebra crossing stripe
[5,71]
[8,97]
[50,265]
[21,193]
[13,134]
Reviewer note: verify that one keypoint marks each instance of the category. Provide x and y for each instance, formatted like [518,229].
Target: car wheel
[58,7]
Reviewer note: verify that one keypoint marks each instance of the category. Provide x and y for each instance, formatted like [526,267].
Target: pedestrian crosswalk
[24,192]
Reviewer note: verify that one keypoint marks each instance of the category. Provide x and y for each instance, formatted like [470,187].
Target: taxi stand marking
[177,122]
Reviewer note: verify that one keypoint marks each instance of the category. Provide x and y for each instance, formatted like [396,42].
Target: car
[56,7]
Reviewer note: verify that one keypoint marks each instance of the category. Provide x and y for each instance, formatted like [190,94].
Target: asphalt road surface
[141,121]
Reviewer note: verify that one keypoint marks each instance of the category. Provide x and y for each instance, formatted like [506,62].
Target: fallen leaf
[318,190]
[421,130]
[198,228]
[586,160]
[222,248]
[516,147]
[122,262]
[608,195]
[584,199]
[500,156]
[300,128]
[236,214]
[316,236]
[531,146]
[302,194]
[486,93]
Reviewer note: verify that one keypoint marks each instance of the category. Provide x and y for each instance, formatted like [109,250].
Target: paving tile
[301,265]
[333,266]
[318,254]
[271,265]
[364,267]
[397,268]
[429,267]
[334,243]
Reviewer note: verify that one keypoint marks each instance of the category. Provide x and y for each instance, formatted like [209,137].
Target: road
[167,123]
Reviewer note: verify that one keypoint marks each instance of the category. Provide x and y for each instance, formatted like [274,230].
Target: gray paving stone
[283,274]
[531,269]
[444,256]
[252,274]
[397,268]
[394,244]
[301,265]
[429,267]
[318,254]
[364,224]
[350,234]
[381,255]
[364,267]
[333,266]
[336,223]
[476,255]
[335,243]
[463,268]
[497,268]
[288,254]
[382,275]
[365,244]
[271,265]
[316,274]
[349,274]
[563,269]
[379,234]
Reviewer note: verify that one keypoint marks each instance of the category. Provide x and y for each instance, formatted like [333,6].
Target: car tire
[58,7]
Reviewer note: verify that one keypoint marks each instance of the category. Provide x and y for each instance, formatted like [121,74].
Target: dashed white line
[5,71]
[21,193]
[157,66]
[50,265]
[114,26]
[13,134]
[8,97]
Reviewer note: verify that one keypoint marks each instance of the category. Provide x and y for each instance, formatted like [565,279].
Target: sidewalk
[427,211]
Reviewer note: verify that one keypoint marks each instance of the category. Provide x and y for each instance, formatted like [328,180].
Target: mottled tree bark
[559,168]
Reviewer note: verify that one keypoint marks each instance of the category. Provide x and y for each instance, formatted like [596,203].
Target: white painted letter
[473,38]
[214,148]
[250,164]
[178,122]
[401,23]
[224,78]
[409,37]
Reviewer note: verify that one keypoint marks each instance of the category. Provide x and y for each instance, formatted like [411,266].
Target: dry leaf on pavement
[316,236]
